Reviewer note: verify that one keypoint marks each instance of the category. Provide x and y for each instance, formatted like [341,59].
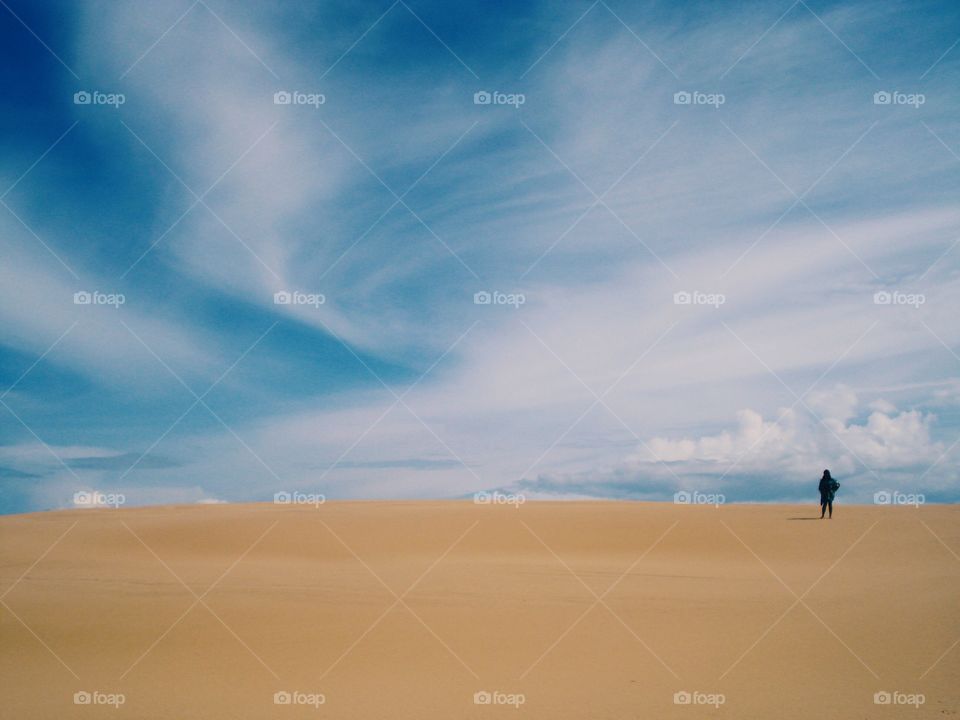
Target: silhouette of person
[828,488]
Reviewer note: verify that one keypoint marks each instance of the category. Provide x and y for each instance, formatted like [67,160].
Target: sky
[424,249]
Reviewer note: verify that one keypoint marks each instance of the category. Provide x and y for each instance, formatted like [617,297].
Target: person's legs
[830,505]
[823,507]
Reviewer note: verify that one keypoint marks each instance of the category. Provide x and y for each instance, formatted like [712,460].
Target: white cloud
[796,443]
[37,307]
[35,453]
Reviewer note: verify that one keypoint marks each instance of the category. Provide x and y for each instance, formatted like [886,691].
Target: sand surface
[406,610]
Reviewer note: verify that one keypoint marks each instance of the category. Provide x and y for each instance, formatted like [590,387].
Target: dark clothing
[828,489]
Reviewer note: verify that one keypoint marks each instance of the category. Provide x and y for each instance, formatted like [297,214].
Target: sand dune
[408,610]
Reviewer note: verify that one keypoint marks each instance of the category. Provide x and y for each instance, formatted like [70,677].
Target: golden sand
[431,609]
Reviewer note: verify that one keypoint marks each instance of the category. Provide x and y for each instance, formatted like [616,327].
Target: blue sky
[781,200]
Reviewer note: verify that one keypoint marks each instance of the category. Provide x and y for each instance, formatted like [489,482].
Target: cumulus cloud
[796,443]
[861,444]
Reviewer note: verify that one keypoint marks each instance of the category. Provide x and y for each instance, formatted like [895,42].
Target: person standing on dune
[828,488]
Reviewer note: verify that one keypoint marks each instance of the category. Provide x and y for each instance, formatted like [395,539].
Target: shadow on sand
[815,517]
